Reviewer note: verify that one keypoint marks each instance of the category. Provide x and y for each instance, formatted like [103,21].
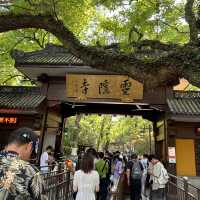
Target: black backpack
[136,172]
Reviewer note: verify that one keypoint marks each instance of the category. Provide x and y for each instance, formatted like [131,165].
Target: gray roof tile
[20,101]
[51,54]
[186,103]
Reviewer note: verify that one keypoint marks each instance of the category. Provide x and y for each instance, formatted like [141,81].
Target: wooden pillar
[197,156]
[42,133]
[166,141]
[45,88]
[171,143]
[59,139]
[155,133]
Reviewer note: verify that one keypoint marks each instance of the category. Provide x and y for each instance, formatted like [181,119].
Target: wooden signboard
[123,88]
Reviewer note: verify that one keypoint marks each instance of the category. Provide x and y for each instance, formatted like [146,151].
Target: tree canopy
[153,41]
[106,132]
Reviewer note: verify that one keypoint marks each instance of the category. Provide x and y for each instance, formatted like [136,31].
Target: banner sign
[123,88]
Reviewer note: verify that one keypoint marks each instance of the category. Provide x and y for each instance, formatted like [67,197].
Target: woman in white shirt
[86,180]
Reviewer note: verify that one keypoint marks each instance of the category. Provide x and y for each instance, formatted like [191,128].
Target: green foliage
[117,18]
[76,14]
[127,130]
[22,40]
[191,87]
[142,145]
[97,21]
[101,131]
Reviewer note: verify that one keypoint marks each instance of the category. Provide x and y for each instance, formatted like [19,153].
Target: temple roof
[17,99]
[51,55]
[53,61]
[185,103]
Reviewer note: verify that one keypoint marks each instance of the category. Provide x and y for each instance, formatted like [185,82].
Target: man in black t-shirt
[134,175]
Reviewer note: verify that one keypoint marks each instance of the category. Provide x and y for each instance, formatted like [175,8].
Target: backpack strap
[104,166]
[133,163]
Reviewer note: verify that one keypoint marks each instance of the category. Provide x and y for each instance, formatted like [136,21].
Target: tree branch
[155,44]
[198,17]
[134,29]
[9,50]
[167,69]
[12,77]
[35,39]
[173,27]
[191,20]
[43,38]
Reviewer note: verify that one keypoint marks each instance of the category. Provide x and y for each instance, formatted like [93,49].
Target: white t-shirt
[43,161]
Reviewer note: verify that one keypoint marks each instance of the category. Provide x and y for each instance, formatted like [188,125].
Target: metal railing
[178,188]
[58,184]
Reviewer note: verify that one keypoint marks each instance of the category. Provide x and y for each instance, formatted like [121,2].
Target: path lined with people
[144,177]
[140,177]
[95,176]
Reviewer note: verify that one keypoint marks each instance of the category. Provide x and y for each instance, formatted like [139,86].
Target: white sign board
[172,154]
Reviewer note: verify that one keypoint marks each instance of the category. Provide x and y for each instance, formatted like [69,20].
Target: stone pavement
[195,181]
[128,198]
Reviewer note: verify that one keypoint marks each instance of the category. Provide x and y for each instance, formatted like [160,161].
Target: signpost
[116,87]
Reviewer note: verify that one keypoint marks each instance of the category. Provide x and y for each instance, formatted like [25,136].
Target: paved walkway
[128,198]
[195,181]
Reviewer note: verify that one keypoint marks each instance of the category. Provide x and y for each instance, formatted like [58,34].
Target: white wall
[49,139]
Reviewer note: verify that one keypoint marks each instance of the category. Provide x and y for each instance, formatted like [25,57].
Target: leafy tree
[127,131]
[102,131]
[95,130]
[91,130]
[20,39]
[143,39]
[77,18]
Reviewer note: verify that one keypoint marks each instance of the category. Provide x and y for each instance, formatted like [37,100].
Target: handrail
[58,185]
[181,189]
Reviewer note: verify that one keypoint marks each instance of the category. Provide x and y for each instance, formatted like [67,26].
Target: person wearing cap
[18,179]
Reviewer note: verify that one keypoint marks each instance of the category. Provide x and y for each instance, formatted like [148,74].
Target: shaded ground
[195,181]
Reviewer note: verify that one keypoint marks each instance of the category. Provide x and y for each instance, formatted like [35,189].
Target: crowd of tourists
[95,174]
[145,177]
